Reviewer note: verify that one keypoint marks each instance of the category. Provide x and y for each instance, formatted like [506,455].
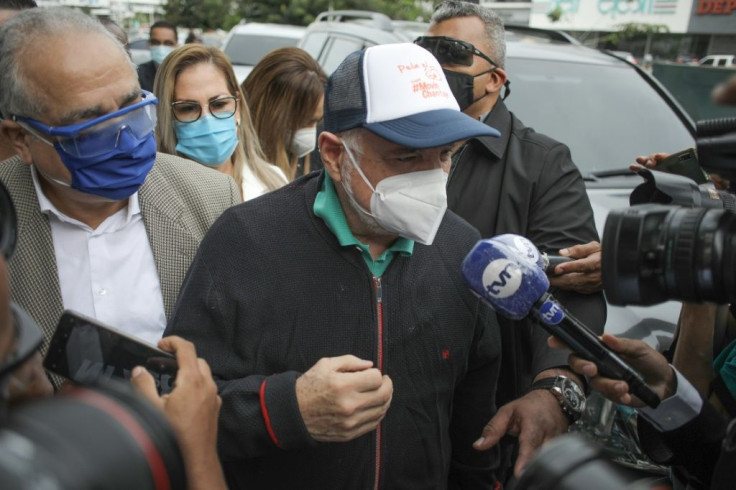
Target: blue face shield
[109,156]
[208,140]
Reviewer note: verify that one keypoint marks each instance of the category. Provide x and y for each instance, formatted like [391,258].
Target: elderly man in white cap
[348,351]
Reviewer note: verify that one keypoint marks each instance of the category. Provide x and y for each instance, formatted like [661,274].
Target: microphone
[515,285]
[546,261]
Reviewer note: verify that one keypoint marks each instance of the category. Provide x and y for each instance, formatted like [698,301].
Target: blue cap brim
[430,129]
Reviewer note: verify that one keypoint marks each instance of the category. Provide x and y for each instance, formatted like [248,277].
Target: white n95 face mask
[411,205]
[303,141]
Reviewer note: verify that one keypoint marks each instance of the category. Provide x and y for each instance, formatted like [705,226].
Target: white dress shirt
[108,273]
[677,410]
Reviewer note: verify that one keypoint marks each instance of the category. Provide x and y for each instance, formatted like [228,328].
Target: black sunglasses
[450,51]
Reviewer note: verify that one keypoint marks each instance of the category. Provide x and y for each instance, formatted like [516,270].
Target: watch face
[573,395]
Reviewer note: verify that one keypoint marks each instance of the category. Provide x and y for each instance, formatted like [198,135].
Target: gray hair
[19,36]
[494,25]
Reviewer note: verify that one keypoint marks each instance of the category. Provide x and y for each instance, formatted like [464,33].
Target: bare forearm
[694,351]
[206,475]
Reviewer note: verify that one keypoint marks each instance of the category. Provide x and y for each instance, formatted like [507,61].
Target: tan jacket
[179,201]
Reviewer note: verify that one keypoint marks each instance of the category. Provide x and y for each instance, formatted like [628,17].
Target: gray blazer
[179,201]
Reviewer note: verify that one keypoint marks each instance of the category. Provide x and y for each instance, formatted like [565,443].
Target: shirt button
[102,292]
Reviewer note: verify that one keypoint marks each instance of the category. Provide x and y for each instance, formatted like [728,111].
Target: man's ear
[496,81]
[330,149]
[18,138]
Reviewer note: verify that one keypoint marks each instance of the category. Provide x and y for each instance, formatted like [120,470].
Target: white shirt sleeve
[677,410]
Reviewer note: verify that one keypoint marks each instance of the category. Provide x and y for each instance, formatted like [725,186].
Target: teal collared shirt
[327,206]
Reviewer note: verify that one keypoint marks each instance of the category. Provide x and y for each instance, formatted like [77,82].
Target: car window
[248,49]
[707,62]
[722,62]
[313,42]
[607,115]
[337,50]
[139,44]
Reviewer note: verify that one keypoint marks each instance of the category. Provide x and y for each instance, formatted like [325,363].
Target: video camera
[685,250]
[104,437]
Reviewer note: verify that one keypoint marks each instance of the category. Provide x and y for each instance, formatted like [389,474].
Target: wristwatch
[569,395]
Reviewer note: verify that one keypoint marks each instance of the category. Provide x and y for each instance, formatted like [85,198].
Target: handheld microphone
[514,285]
[526,249]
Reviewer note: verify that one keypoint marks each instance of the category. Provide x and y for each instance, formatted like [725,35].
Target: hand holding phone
[684,163]
[86,351]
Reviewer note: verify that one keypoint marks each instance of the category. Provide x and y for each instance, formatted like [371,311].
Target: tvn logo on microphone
[501,278]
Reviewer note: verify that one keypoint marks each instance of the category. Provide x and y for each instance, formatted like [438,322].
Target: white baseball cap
[399,92]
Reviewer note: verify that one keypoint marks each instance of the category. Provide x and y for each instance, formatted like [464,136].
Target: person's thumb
[144,383]
[350,363]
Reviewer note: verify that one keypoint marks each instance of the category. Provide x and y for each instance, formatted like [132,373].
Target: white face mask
[411,205]
[304,141]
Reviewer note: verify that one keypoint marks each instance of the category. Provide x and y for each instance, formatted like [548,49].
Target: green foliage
[555,14]
[633,30]
[224,14]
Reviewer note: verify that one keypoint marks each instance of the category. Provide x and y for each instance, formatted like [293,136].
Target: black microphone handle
[587,345]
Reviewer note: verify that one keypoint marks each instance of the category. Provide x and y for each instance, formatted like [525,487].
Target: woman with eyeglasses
[285,93]
[203,116]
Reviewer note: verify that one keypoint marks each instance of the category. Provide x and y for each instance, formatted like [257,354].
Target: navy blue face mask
[116,174]
[109,156]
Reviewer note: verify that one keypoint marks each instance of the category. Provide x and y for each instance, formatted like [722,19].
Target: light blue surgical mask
[207,140]
[158,53]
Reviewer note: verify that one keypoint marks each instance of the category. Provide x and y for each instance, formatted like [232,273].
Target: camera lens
[653,253]
[106,438]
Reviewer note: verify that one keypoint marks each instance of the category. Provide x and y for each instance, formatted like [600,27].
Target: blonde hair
[283,91]
[248,151]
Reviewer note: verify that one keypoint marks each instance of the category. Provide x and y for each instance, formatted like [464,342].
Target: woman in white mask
[285,93]
[203,116]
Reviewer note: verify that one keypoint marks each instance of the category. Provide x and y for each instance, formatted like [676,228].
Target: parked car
[606,110]
[334,35]
[139,51]
[247,43]
[720,60]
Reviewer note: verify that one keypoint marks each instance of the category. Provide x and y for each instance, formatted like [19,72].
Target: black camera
[653,253]
[106,438]
[103,438]
[572,462]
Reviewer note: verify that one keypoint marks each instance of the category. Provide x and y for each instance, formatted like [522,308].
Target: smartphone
[684,163]
[85,351]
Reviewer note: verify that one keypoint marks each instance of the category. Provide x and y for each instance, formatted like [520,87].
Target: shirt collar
[47,207]
[327,206]
[499,118]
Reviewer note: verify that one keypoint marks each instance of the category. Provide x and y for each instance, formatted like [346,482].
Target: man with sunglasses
[107,226]
[523,183]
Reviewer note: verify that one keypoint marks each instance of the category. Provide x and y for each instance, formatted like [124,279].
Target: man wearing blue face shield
[161,41]
[107,226]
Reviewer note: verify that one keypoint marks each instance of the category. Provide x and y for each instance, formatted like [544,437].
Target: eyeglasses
[188,111]
[101,134]
[450,51]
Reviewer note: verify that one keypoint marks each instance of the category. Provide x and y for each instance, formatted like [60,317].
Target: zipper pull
[379,289]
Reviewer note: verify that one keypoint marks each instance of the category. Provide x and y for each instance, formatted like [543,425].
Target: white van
[720,60]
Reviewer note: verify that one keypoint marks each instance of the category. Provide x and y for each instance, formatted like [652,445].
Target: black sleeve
[695,447]
[561,216]
[473,407]
[260,414]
